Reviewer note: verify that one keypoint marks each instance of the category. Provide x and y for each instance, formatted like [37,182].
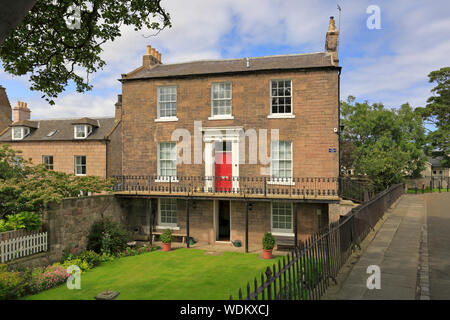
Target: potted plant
[268,242]
[166,239]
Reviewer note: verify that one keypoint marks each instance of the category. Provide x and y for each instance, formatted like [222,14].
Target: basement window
[82,131]
[20,132]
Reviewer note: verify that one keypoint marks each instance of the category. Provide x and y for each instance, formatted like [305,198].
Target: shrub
[12,285]
[166,236]
[46,278]
[268,241]
[23,220]
[108,237]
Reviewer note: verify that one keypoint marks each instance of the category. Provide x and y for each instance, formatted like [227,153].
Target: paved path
[395,249]
[438,220]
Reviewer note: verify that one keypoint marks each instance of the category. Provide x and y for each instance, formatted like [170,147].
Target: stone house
[224,150]
[75,146]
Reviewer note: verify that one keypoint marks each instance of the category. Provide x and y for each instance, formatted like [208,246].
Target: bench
[181,235]
[284,242]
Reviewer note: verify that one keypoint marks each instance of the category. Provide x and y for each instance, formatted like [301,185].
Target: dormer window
[82,131]
[20,132]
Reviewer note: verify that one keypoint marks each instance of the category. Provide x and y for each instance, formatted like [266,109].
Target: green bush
[107,237]
[268,241]
[23,220]
[12,285]
[166,236]
[91,257]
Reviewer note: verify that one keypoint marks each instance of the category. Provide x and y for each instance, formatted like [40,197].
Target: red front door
[223,171]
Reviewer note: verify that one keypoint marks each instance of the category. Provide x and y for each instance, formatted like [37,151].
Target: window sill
[281,183]
[167,227]
[283,234]
[167,119]
[80,175]
[221,117]
[281,116]
[166,180]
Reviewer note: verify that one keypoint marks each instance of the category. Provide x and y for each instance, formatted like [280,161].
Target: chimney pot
[153,52]
[149,48]
[21,112]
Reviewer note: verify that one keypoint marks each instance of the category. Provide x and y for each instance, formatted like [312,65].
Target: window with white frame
[167,212]
[80,165]
[167,159]
[281,159]
[82,131]
[167,101]
[48,162]
[281,97]
[221,99]
[282,217]
[20,132]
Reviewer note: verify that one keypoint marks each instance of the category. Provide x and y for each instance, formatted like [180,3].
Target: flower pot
[267,253]
[166,246]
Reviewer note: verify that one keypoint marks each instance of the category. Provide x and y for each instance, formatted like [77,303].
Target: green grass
[179,274]
[427,190]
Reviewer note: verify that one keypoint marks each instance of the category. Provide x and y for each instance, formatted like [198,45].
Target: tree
[25,187]
[437,113]
[388,143]
[55,51]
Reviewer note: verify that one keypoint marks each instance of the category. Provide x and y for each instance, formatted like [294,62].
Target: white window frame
[161,177]
[279,231]
[159,118]
[45,163]
[284,115]
[221,116]
[24,131]
[87,130]
[166,225]
[281,180]
[75,165]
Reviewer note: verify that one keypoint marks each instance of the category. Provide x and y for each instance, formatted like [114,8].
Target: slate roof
[64,130]
[202,67]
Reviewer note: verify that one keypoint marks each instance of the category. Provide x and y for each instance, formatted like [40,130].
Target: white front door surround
[219,134]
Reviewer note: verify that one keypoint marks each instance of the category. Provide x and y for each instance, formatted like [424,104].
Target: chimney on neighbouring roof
[331,41]
[21,112]
[119,107]
[151,58]
[5,110]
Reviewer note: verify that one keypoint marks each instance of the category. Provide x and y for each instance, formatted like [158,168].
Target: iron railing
[257,186]
[308,270]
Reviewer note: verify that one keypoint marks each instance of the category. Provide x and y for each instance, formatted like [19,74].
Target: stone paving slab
[395,249]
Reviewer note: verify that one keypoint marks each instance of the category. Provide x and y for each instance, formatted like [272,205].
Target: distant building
[86,146]
[436,169]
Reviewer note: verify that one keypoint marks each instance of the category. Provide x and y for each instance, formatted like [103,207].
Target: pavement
[395,249]
[438,225]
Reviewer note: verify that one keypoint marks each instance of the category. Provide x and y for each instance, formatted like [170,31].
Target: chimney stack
[119,107]
[21,112]
[5,110]
[332,41]
[152,58]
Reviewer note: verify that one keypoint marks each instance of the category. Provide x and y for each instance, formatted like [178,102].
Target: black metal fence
[307,271]
[258,186]
[357,189]
[428,184]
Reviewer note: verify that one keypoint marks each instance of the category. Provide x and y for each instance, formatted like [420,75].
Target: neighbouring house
[192,131]
[437,170]
[5,110]
[80,146]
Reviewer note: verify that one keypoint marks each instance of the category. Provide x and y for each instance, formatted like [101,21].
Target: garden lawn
[179,274]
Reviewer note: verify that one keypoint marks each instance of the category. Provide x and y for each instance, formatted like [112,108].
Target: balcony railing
[241,186]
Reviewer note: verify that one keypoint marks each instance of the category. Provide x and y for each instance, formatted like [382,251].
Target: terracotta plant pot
[166,246]
[267,253]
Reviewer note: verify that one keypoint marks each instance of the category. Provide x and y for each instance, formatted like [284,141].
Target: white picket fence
[22,246]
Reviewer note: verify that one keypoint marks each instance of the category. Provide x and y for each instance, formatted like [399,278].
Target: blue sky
[388,65]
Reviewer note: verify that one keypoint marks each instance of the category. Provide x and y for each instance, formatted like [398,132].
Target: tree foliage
[25,187]
[387,143]
[44,45]
[437,113]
